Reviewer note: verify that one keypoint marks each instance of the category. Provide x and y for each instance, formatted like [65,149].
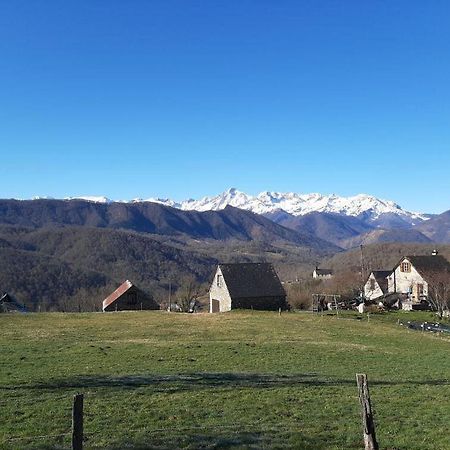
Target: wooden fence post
[370,441]
[77,422]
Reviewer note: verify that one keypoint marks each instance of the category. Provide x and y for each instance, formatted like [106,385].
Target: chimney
[434,252]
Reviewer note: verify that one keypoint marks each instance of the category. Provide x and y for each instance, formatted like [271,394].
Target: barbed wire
[255,427]
[27,438]
[36,400]
[238,428]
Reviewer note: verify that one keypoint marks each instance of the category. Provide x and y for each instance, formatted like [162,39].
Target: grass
[235,380]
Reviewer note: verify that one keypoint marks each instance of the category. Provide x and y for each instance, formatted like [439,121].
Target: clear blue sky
[188,98]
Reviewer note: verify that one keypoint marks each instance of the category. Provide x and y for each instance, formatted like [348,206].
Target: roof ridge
[124,287]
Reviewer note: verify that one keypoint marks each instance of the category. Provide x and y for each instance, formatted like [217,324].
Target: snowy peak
[231,197]
[91,198]
[87,198]
[361,205]
[377,211]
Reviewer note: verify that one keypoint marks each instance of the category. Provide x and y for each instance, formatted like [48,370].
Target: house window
[405,267]
[372,284]
[219,280]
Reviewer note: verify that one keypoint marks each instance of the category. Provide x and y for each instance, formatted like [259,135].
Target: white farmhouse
[412,275]
[322,274]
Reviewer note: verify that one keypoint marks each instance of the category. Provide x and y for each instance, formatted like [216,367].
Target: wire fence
[33,437]
[112,435]
[105,429]
[175,431]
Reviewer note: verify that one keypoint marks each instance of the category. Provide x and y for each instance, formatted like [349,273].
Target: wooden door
[215,305]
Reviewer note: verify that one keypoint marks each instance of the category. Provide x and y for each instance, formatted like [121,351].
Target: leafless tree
[187,294]
[439,291]
[299,294]
[347,284]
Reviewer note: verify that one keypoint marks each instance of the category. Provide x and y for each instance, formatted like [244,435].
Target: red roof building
[127,297]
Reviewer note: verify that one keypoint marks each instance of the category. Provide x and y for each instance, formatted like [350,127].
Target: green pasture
[235,380]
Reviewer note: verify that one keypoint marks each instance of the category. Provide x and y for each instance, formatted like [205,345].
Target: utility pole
[362,271]
[170,295]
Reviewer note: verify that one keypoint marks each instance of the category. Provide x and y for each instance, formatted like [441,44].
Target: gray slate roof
[252,280]
[426,264]
[381,277]
[324,272]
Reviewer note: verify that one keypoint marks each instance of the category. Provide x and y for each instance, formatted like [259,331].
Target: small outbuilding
[8,303]
[247,286]
[127,297]
[377,284]
[322,274]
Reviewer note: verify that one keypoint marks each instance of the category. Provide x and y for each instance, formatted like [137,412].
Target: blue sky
[188,98]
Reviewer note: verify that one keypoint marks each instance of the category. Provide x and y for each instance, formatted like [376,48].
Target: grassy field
[236,380]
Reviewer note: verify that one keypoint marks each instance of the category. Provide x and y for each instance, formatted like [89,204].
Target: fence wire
[237,428]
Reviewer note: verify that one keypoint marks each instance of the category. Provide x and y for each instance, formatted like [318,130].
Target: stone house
[247,286]
[412,275]
[127,297]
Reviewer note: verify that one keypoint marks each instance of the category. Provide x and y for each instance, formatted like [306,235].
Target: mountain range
[153,218]
[342,221]
[363,206]
[56,252]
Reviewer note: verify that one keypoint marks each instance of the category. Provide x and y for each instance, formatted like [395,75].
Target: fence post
[370,441]
[77,422]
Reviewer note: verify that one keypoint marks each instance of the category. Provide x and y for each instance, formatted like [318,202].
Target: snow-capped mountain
[88,198]
[91,198]
[266,203]
[368,208]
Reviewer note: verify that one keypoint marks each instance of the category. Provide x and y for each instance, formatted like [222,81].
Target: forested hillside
[381,256]
[145,217]
[68,255]
[76,267]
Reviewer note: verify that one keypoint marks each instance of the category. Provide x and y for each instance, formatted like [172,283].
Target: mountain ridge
[229,223]
[375,211]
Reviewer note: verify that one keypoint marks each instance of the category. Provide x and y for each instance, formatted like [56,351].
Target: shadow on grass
[203,439]
[204,380]
[181,382]
[223,440]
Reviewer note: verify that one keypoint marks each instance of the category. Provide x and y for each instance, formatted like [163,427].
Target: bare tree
[299,294]
[187,294]
[439,291]
[347,284]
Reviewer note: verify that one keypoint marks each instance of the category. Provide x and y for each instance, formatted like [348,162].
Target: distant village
[416,282]
[408,286]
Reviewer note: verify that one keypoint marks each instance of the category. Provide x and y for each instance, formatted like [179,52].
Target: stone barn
[247,286]
[127,297]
